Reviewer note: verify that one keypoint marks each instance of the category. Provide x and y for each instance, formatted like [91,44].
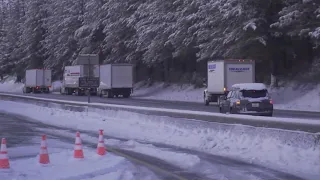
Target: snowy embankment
[293,152]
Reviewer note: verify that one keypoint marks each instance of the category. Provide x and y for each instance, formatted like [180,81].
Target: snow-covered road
[199,148]
[23,141]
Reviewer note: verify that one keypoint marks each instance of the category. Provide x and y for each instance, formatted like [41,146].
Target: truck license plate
[255,104]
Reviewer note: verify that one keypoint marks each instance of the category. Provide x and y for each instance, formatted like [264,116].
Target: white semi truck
[115,80]
[70,82]
[37,80]
[222,74]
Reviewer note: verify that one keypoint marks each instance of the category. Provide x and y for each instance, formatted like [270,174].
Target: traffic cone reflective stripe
[101,150]
[78,152]
[4,160]
[44,156]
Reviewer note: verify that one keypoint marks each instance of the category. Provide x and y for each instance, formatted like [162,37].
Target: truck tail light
[49,86]
[37,87]
[271,102]
[224,89]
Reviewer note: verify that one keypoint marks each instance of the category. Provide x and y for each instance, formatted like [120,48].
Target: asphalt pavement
[302,124]
[136,101]
[21,131]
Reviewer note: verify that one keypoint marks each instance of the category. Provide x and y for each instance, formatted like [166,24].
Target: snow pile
[56,86]
[172,93]
[291,99]
[64,166]
[294,152]
[9,85]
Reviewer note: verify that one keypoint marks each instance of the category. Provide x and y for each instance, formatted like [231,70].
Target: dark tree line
[165,40]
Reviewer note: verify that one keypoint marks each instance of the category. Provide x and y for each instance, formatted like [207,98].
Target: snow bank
[10,86]
[63,166]
[172,93]
[294,152]
[56,86]
[293,99]
[287,98]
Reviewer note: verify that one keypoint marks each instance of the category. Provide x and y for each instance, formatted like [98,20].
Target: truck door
[239,73]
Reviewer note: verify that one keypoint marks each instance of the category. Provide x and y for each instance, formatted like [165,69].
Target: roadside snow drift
[63,166]
[171,93]
[294,152]
[11,86]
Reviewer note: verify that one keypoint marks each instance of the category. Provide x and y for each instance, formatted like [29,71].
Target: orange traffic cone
[101,150]
[4,160]
[78,152]
[44,156]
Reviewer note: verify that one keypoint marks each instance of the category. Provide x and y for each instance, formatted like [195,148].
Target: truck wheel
[63,93]
[109,94]
[269,115]
[28,90]
[67,91]
[47,91]
[206,102]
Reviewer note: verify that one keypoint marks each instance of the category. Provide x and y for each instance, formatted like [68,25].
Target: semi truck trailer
[222,74]
[115,80]
[37,81]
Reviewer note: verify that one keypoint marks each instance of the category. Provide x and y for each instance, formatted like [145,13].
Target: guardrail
[268,122]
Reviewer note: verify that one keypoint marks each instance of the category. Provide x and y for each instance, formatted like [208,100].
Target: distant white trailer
[222,74]
[37,80]
[115,80]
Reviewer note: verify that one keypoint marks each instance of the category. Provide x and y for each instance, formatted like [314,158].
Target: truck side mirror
[204,82]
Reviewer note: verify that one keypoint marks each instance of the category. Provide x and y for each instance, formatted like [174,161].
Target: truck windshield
[254,93]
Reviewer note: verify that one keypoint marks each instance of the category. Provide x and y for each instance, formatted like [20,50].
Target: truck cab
[222,74]
[70,82]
